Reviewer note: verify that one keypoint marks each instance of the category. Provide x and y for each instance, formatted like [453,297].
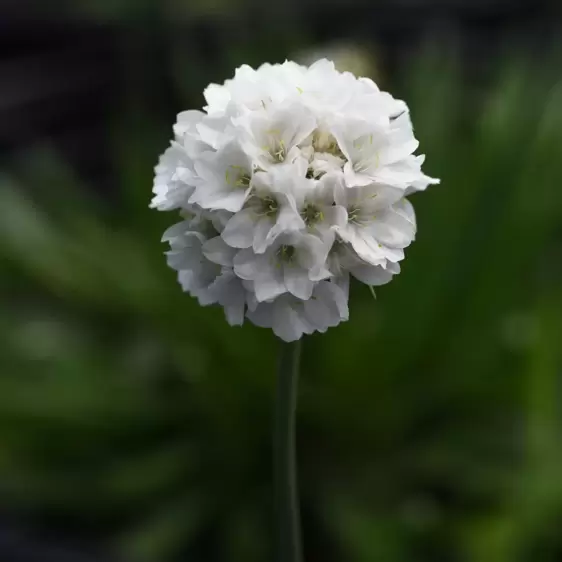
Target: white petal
[218,251]
[401,174]
[235,314]
[175,230]
[217,98]
[318,312]
[232,202]
[269,285]
[311,250]
[365,246]
[261,315]
[339,288]
[382,196]
[394,229]
[186,122]
[262,237]
[406,210]
[219,219]
[287,324]
[319,273]
[214,131]
[297,282]
[185,279]
[239,230]
[392,254]
[371,274]
[335,216]
[288,220]
[246,264]
[354,179]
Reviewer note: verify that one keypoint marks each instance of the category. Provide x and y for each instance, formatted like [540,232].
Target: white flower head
[292,180]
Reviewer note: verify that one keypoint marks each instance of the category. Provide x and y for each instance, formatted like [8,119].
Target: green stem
[286,490]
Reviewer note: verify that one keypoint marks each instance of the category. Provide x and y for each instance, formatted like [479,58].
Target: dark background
[135,425]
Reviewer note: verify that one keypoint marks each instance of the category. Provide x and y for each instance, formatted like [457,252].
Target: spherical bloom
[290,181]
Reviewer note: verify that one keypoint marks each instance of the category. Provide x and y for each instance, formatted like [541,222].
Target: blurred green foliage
[429,425]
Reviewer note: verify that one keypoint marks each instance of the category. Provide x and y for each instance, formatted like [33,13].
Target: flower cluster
[293,179]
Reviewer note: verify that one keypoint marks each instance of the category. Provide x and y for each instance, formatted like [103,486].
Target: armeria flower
[224,179]
[175,179]
[292,264]
[271,210]
[291,180]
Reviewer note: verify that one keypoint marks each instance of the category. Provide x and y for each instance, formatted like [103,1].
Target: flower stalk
[288,534]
